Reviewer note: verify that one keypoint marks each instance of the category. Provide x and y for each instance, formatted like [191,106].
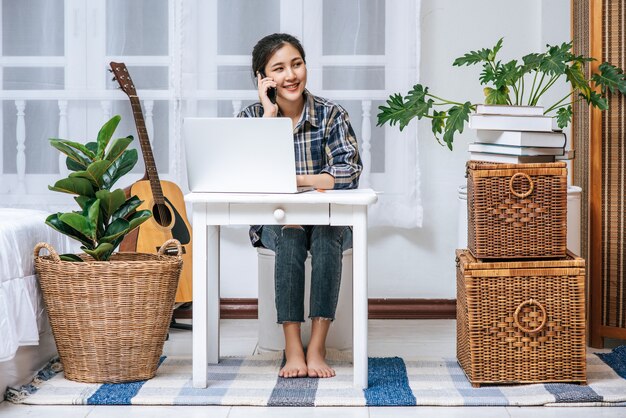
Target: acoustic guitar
[163,198]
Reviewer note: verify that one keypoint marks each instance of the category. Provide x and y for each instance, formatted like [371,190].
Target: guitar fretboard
[146,149]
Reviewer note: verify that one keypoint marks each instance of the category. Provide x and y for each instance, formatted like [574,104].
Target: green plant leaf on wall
[120,167]
[105,134]
[79,186]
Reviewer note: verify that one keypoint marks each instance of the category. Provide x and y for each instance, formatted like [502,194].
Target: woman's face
[286,67]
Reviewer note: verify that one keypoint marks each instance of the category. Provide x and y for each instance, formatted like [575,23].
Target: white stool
[271,337]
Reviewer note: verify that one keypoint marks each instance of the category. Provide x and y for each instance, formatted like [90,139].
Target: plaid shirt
[324,143]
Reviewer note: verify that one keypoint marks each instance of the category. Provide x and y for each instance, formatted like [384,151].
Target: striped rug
[392,381]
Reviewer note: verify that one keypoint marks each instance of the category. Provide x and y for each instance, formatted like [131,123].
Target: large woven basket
[521,321]
[517,210]
[109,318]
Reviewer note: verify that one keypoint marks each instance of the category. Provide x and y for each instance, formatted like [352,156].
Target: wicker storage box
[521,321]
[517,210]
[109,318]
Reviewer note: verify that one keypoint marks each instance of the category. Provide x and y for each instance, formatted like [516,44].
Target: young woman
[326,158]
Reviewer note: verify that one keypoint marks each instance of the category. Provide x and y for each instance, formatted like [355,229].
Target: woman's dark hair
[265,48]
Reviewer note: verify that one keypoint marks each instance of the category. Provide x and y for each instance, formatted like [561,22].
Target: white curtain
[192,58]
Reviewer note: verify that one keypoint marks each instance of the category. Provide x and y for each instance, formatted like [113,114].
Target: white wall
[419,263]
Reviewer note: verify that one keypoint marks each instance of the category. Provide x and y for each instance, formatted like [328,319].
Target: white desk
[211,210]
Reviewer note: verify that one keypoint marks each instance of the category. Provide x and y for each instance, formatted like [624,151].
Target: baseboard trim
[378,309]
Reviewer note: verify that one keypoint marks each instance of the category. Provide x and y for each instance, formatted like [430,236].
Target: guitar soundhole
[162,214]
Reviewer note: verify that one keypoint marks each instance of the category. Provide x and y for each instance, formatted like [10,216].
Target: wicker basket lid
[468,262]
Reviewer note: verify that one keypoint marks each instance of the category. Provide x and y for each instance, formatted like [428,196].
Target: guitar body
[168,222]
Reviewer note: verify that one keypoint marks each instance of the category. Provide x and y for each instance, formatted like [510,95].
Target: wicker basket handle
[168,243]
[543,313]
[530,189]
[53,254]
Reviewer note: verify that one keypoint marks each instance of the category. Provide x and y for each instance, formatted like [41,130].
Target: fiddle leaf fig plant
[106,216]
[515,83]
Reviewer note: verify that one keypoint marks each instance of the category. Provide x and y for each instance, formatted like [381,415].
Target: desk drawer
[281,214]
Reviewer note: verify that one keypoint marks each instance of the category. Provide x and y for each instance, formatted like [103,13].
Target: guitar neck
[146,149]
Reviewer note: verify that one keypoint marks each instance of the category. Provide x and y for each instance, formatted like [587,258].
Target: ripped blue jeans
[291,244]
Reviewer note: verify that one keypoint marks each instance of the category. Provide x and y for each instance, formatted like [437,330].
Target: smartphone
[271,92]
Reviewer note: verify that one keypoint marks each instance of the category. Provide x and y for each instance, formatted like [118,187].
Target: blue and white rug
[392,381]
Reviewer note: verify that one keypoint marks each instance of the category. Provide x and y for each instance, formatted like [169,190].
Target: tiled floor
[405,338]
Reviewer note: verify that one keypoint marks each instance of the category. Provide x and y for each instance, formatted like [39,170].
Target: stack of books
[516,134]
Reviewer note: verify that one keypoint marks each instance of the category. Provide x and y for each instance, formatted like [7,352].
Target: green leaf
[395,112]
[577,79]
[116,229]
[105,134]
[55,223]
[457,116]
[79,186]
[82,201]
[70,257]
[118,146]
[508,74]
[93,214]
[472,57]
[101,253]
[86,152]
[127,208]
[119,167]
[110,201]
[532,61]
[80,223]
[79,159]
[138,218]
[496,96]
[487,75]
[564,116]
[94,172]
[554,61]
[438,122]
[610,78]
[596,100]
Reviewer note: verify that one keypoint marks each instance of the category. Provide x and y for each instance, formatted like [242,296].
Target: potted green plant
[109,312]
[515,83]
[106,216]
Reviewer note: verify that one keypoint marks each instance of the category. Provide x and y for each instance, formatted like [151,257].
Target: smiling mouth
[291,86]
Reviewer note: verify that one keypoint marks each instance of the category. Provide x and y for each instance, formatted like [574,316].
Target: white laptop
[240,155]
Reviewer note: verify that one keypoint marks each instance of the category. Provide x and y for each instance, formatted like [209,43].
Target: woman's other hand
[270,109]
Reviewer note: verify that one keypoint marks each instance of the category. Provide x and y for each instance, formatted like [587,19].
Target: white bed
[26,341]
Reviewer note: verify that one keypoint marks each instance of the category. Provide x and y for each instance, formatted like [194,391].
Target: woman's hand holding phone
[267,95]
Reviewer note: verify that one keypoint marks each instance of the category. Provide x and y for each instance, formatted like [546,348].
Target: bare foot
[295,365]
[316,363]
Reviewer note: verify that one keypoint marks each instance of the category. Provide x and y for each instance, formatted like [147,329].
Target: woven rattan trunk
[521,321]
[517,210]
